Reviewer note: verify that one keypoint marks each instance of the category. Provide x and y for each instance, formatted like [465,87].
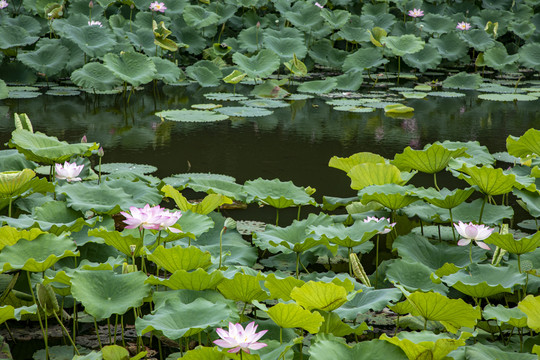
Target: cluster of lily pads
[102,250]
[105,44]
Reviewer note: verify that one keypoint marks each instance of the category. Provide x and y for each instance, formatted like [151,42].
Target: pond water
[294,143]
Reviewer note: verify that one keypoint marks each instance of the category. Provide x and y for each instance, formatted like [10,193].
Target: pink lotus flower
[3,4]
[158,6]
[154,218]
[385,231]
[239,339]
[472,232]
[94,23]
[416,13]
[168,219]
[463,26]
[319,5]
[69,171]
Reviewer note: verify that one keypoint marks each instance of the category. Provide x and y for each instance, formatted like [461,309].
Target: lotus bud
[132,248]
[258,24]
[309,190]
[230,223]
[127,268]
[132,6]
[100,151]
[91,4]
[84,140]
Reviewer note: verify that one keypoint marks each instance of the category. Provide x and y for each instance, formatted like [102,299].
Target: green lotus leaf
[397,109]
[366,300]
[95,75]
[243,111]
[432,159]
[416,248]
[351,81]
[95,41]
[121,241]
[393,196]
[110,196]
[243,287]
[330,349]
[531,307]
[4,91]
[479,154]
[354,30]
[6,312]
[333,325]
[281,288]
[336,18]
[507,97]
[136,168]
[103,292]
[48,59]
[364,58]
[206,206]
[304,16]
[427,58]
[179,258]
[452,313]
[205,72]
[235,77]
[370,173]
[38,254]
[444,198]
[497,58]
[133,68]
[276,193]
[116,352]
[250,39]
[296,66]
[529,55]
[446,94]
[319,295]
[414,95]
[318,86]
[524,29]
[216,186]
[197,280]
[266,103]
[198,17]
[184,115]
[293,238]
[167,71]
[47,149]
[463,81]
[479,351]
[346,164]
[490,181]
[426,344]
[14,36]
[512,316]
[204,353]
[515,246]
[467,212]
[261,65]
[285,47]
[324,53]
[437,24]
[349,236]
[526,145]
[402,45]
[194,224]
[485,280]
[413,276]
[529,200]
[294,316]
[10,235]
[478,39]
[14,183]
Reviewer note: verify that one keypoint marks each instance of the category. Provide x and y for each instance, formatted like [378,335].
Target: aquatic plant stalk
[97,334]
[44,332]
[482,209]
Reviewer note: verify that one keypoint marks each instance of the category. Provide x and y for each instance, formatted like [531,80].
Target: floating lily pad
[136,168]
[225,97]
[206,106]
[507,97]
[244,111]
[185,115]
[463,81]
[354,109]
[265,103]
[447,94]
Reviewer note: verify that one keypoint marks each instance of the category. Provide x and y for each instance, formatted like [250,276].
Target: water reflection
[294,143]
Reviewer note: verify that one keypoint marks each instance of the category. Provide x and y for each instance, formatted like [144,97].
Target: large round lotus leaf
[303,15]
[95,75]
[393,196]
[179,258]
[405,44]
[497,57]
[250,39]
[437,24]
[413,276]
[489,180]
[286,47]
[492,215]
[258,66]
[450,46]
[197,280]
[431,159]
[136,168]
[427,58]
[463,81]
[507,97]
[10,235]
[243,287]
[512,316]
[281,288]
[335,18]
[479,351]
[198,17]
[325,349]
[346,164]
[134,68]
[225,97]
[426,344]
[121,241]
[526,145]
[167,71]
[176,320]
[103,292]
[95,41]
[365,58]
[369,173]
[478,39]
[349,236]
[204,207]
[324,53]
[30,24]
[14,36]
[184,115]
[318,86]
[294,316]
[319,295]
[293,238]
[48,59]
[47,149]
[244,111]
[14,183]
[266,103]
[515,246]
[276,193]
[529,55]
[529,200]
[354,30]
[531,307]
[416,248]
[214,186]
[205,72]
[6,312]
[444,198]
[351,81]
[37,255]
[485,280]
[368,299]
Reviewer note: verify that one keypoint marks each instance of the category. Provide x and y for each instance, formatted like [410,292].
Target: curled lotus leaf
[10,235]
[243,287]
[413,276]
[280,288]
[13,183]
[431,159]
[393,196]
[133,68]
[95,75]
[349,236]
[206,206]
[489,180]
[402,45]
[531,307]
[366,300]
[426,344]
[294,316]
[261,65]
[276,193]
[369,173]
[179,258]
[346,164]
[446,199]
[512,316]
[197,280]
[121,241]
[526,145]
[319,295]
[515,246]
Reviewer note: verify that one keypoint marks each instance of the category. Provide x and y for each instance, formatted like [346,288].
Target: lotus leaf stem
[122,330]
[376,261]
[452,224]
[298,215]
[306,270]
[470,251]
[160,350]
[97,334]
[200,339]
[482,210]
[67,333]
[435,181]
[115,327]
[9,208]
[280,335]
[44,332]
[277,217]
[221,246]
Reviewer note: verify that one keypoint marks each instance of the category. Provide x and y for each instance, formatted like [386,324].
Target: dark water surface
[294,143]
